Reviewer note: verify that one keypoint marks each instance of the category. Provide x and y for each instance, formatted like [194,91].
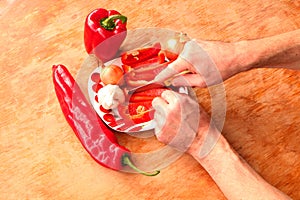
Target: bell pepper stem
[109,22]
[126,161]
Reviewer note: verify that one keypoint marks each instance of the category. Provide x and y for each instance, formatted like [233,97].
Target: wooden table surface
[40,156]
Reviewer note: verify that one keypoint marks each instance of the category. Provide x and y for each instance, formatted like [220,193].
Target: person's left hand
[210,63]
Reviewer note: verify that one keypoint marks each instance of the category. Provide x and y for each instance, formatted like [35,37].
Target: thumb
[189,80]
[172,69]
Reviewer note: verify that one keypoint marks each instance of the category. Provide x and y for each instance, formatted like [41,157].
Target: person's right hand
[183,124]
[209,62]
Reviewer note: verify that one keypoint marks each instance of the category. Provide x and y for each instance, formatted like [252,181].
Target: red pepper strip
[140,106]
[133,84]
[140,112]
[98,140]
[151,67]
[151,92]
[104,32]
[137,98]
[147,95]
[136,77]
[136,113]
[139,55]
[168,54]
[154,60]
[96,77]
[142,76]
[126,68]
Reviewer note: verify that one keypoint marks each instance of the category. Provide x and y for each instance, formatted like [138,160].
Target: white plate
[112,117]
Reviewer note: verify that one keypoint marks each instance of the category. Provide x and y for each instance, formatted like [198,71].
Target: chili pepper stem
[109,23]
[126,161]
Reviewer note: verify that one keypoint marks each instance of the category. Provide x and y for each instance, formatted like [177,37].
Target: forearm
[280,51]
[234,176]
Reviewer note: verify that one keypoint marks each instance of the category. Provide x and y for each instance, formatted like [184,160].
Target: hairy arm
[235,178]
[233,175]
[279,51]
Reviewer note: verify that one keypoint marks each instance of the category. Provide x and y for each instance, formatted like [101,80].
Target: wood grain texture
[40,156]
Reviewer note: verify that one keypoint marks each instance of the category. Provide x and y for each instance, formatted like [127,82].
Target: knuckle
[156,102]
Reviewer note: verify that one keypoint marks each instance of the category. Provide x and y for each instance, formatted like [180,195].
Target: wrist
[247,56]
[218,152]
[230,58]
[221,149]
[205,143]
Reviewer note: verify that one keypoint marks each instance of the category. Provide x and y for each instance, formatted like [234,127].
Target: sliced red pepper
[155,92]
[147,95]
[95,77]
[126,68]
[132,84]
[151,67]
[154,60]
[96,87]
[109,117]
[171,56]
[161,57]
[137,98]
[142,75]
[136,113]
[139,55]
[98,140]
[104,110]
[140,112]
[147,65]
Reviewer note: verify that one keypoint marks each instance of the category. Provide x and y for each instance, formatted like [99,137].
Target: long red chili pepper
[98,140]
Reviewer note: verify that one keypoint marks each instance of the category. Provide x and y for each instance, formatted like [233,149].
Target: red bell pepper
[104,32]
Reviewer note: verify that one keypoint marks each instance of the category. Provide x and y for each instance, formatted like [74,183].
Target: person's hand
[180,122]
[209,62]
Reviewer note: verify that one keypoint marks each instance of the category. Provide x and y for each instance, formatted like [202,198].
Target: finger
[170,97]
[159,115]
[159,119]
[180,64]
[159,103]
[165,74]
[189,80]
[172,69]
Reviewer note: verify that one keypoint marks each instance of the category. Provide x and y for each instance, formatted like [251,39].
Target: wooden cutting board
[40,156]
